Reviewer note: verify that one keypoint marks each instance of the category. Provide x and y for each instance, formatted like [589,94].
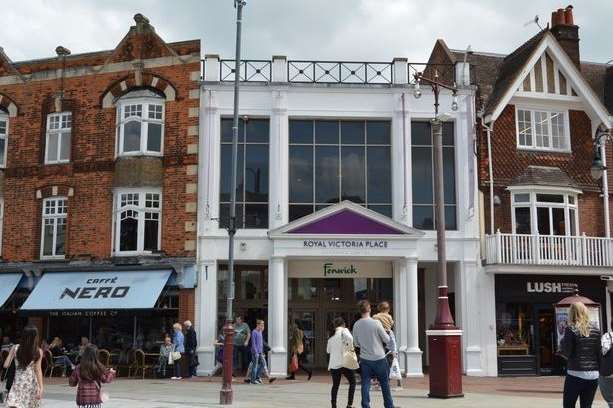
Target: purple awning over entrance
[346,222]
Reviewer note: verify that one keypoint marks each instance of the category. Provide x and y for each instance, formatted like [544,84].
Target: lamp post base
[226,394]
[445,351]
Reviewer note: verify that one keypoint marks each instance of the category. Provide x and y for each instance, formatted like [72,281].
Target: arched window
[4,132]
[140,124]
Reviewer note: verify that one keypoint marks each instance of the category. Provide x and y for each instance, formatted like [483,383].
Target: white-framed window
[53,234]
[137,215]
[542,129]
[543,212]
[4,134]
[58,139]
[140,124]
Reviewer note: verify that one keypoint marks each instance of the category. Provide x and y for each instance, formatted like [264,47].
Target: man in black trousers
[191,343]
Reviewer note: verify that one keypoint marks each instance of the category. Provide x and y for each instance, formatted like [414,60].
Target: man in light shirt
[370,336]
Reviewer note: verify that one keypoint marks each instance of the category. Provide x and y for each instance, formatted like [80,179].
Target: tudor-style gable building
[98,175]
[545,218]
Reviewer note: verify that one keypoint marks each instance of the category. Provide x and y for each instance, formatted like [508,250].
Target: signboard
[330,269]
[345,243]
[97,290]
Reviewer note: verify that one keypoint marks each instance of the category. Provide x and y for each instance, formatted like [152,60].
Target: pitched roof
[544,176]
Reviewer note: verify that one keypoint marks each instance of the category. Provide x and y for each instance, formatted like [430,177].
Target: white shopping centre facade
[335,197]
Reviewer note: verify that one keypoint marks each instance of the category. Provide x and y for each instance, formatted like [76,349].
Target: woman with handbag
[296,342]
[343,360]
[605,381]
[89,376]
[177,355]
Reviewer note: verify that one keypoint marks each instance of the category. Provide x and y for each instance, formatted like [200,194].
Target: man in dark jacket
[191,343]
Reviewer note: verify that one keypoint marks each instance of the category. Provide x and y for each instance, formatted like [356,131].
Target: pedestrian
[165,358]
[370,336]
[27,389]
[8,376]
[581,347]
[191,344]
[240,352]
[339,343]
[179,342]
[88,377]
[298,356]
[605,381]
[257,352]
[387,321]
[264,372]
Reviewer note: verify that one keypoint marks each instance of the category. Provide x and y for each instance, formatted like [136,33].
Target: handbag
[176,355]
[606,361]
[293,365]
[350,359]
[395,373]
[170,360]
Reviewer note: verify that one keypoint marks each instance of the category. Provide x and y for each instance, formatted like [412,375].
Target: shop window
[513,328]
[542,130]
[544,213]
[336,160]
[53,234]
[58,136]
[252,173]
[4,132]
[137,221]
[140,124]
[422,159]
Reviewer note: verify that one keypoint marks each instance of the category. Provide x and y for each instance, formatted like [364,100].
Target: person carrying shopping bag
[605,380]
[343,360]
[88,377]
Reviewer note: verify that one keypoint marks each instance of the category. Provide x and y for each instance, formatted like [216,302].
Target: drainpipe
[489,129]
[605,191]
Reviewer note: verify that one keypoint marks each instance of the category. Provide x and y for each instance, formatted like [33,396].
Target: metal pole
[226,393]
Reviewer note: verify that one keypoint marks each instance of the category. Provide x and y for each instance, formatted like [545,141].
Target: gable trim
[573,77]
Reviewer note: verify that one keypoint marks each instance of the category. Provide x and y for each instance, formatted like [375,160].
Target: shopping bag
[350,359]
[395,370]
[293,365]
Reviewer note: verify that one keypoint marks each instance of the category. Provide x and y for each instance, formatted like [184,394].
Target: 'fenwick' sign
[345,244]
[551,287]
[96,288]
[331,270]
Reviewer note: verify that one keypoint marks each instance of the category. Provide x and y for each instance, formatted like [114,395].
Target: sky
[359,30]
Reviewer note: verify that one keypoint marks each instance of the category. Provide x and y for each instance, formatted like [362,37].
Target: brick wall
[187,298]
[33,87]
[509,163]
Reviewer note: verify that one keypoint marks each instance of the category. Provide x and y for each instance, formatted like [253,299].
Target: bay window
[53,235]
[140,124]
[4,132]
[137,221]
[57,140]
[335,160]
[540,129]
[544,213]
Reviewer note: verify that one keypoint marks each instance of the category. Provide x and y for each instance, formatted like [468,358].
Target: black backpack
[606,361]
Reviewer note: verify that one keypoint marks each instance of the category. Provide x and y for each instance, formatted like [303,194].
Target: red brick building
[545,217]
[98,176]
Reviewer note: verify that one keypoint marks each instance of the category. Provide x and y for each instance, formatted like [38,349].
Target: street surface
[150,393]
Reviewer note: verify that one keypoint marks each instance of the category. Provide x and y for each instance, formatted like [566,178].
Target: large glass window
[545,213]
[4,132]
[422,159]
[251,176]
[138,221]
[57,141]
[140,124]
[542,130]
[53,236]
[336,160]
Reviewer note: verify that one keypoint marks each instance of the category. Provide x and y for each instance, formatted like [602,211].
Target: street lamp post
[444,338]
[598,167]
[226,394]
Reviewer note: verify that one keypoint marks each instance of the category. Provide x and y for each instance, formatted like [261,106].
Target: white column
[206,316]
[401,160]
[407,318]
[277,315]
[208,163]
[279,161]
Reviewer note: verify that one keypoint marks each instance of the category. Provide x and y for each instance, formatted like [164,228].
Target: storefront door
[544,338]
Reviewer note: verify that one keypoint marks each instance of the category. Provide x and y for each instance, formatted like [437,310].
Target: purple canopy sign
[346,222]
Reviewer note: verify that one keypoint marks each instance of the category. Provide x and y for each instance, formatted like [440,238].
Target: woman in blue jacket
[179,341]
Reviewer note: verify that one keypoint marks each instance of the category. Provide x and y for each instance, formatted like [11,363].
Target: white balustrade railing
[523,249]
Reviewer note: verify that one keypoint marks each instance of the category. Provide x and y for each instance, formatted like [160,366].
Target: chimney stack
[566,32]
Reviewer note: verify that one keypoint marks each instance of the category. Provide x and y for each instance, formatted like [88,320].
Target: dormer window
[57,141]
[4,131]
[542,129]
[140,124]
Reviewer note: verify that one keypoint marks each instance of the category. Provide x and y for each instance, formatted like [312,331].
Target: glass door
[545,339]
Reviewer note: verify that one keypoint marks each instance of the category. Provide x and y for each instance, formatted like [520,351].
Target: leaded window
[140,125]
[138,221]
